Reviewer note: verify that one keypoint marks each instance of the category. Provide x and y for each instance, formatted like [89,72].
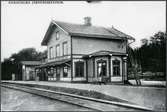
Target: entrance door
[79,69]
[101,68]
[58,73]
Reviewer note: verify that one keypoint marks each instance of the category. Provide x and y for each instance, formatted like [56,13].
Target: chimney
[87,21]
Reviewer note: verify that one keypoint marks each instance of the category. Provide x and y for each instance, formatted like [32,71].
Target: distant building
[28,69]
[83,52]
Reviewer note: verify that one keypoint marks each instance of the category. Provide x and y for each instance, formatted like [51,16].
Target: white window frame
[65,48]
[57,35]
[57,49]
[51,52]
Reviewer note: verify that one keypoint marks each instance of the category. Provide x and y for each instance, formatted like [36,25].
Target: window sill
[65,77]
[79,77]
[116,76]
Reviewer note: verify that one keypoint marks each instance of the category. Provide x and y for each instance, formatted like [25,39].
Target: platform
[150,97]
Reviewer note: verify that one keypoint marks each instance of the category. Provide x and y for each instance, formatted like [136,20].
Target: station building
[84,52]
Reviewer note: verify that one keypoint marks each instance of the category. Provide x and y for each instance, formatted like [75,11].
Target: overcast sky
[24,25]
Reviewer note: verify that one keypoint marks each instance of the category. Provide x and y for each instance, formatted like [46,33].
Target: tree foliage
[27,54]
[151,56]
[12,64]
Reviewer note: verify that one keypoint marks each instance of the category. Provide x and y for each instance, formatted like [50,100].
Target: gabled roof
[77,29]
[86,31]
[30,62]
[120,34]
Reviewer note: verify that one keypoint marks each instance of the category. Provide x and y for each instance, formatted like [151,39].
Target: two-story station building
[83,52]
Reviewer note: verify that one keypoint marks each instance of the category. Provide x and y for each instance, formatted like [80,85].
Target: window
[54,52]
[51,72]
[65,71]
[58,70]
[51,52]
[116,67]
[79,69]
[57,73]
[57,50]
[65,48]
[57,35]
[101,68]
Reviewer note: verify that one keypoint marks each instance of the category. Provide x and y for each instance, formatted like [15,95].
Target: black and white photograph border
[83,55]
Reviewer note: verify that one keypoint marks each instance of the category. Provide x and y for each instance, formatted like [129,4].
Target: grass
[86,93]
[150,76]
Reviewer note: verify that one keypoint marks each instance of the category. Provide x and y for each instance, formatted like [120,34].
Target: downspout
[86,70]
[133,40]
[110,67]
[71,61]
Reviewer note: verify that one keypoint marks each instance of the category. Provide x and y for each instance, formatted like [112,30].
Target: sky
[24,25]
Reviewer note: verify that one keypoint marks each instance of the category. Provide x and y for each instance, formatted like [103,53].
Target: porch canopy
[104,53]
[31,63]
[55,63]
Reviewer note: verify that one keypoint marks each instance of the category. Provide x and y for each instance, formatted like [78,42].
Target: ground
[151,97]
[13,100]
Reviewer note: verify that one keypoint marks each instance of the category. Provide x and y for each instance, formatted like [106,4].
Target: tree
[10,66]
[27,54]
[144,41]
[134,67]
[6,70]
[151,54]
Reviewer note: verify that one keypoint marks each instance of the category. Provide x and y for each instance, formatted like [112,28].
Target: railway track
[90,103]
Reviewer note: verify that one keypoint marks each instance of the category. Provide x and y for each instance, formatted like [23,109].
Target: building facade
[28,69]
[83,52]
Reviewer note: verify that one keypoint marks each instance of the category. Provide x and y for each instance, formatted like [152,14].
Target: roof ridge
[78,24]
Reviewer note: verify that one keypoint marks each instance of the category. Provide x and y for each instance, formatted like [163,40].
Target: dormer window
[57,35]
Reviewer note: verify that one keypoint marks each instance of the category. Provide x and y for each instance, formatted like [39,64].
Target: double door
[102,68]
